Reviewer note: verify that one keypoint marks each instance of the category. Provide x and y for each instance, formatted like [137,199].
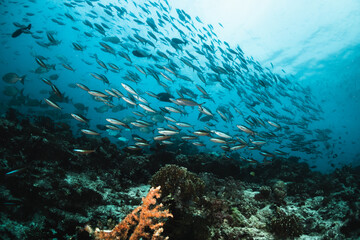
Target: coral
[140,221]
[182,192]
[279,191]
[264,193]
[180,183]
[286,225]
[237,216]
[99,188]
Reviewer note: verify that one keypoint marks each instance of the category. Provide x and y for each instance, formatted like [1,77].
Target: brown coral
[178,182]
[143,222]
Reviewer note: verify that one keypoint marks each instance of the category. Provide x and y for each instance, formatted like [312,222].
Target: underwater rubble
[48,191]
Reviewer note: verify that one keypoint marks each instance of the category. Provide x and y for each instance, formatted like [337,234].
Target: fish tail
[22,79]
[54,67]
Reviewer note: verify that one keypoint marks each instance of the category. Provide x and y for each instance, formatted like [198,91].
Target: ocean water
[312,111]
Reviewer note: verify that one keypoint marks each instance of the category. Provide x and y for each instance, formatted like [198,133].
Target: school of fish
[159,76]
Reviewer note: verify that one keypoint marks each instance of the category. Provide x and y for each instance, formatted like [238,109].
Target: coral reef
[136,225]
[279,191]
[53,192]
[176,181]
[286,226]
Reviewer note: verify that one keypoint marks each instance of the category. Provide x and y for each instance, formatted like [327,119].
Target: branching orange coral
[145,221]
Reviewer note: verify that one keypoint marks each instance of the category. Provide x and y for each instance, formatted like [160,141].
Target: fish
[68,67]
[258,142]
[183,124]
[201,133]
[187,102]
[96,93]
[161,137]
[129,101]
[237,147]
[191,86]
[15,171]
[78,47]
[134,148]
[141,54]
[11,91]
[129,89]
[168,132]
[83,151]
[147,108]
[90,132]
[117,122]
[166,77]
[221,134]
[164,97]
[100,77]
[43,65]
[52,104]
[13,78]
[102,109]
[112,127]
[246,129]
[83,87]
[274,124]
[81,107]
[112,39]
[170,119]
[21,30]
[79,118]
[56,90]
[218,140]
[114,67]
[173,109]
[188,137]
[199,144]
[54,77]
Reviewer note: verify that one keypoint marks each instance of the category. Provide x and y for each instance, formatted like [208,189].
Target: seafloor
[57,192]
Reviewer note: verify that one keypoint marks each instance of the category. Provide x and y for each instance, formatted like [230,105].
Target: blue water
[319,123]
